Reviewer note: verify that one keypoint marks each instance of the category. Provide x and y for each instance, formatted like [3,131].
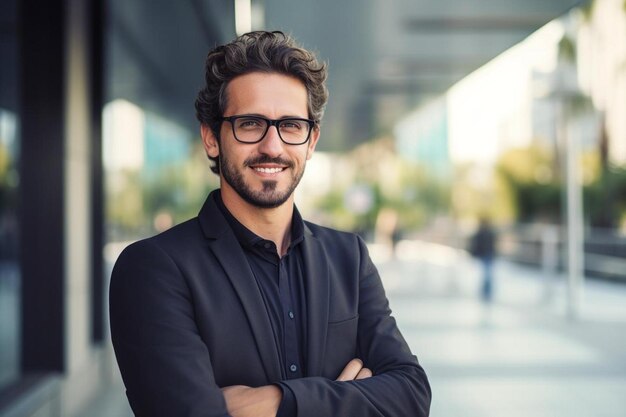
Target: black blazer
[187,318]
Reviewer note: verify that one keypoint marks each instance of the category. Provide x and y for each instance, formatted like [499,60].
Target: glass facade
[9,183]
[156,172]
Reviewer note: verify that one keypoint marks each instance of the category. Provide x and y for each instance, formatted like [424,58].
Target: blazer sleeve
[399,387]
[165,366]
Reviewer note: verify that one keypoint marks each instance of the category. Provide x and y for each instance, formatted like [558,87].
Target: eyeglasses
[252,129]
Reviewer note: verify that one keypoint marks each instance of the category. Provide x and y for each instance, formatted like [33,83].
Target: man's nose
[271,144]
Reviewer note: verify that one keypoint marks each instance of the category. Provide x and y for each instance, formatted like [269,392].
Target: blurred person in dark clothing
[483,247]
[247,309]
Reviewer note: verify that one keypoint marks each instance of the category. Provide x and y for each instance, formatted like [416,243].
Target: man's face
[266,173]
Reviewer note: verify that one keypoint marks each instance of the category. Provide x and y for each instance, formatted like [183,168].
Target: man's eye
[249,123]
[291,125]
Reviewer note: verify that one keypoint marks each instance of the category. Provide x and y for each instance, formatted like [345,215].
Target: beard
[269,196]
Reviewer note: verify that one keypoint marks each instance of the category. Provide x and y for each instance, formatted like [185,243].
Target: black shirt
[281,282]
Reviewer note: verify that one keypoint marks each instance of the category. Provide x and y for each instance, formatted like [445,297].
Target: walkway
[519,356]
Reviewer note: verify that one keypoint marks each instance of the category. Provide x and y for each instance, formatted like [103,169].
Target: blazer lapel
[317,301]
[232,258]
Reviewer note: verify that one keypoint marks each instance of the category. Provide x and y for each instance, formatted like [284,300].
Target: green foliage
[8,182]
[134,199]
[423,198]
[535,201]
[532,184]
[416,199]
[538,198]
[567,49]
[605,198]
[332,205]
[587,9]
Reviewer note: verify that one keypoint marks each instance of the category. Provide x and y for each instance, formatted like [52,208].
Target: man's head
[265,52]
[261,159]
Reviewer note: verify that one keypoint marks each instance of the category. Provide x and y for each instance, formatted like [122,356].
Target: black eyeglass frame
[270,123]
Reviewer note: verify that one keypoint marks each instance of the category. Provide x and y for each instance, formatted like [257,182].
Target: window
[9,183]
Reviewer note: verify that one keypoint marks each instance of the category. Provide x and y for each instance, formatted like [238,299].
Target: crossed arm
[244,401]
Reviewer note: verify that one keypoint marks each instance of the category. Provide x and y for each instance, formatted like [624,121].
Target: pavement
[522,354]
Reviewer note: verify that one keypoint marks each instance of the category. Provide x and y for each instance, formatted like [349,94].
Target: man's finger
[351,370]
[364,373]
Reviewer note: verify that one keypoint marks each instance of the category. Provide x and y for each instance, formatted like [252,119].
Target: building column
[61,185]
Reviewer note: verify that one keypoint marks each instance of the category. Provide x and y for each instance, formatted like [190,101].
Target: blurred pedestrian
[483,247]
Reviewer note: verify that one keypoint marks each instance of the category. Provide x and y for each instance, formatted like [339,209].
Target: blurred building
[566,80]
[61,62]
[422,137]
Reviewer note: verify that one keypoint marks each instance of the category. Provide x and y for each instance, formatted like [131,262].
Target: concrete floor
[518,356]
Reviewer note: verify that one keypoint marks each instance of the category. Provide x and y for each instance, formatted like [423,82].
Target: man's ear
[210,142]
[315,135]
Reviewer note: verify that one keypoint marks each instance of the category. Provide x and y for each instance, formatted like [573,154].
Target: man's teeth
[268,170]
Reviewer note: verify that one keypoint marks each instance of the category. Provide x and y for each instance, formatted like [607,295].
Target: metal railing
[543,246]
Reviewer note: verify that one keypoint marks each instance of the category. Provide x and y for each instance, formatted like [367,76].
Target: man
[247,310]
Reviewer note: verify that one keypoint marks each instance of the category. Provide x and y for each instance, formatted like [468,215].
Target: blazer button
[291,316]
[293,368]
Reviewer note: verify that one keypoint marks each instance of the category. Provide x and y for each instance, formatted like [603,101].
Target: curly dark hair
[270,52]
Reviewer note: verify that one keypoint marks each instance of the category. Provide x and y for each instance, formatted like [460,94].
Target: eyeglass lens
[253,129]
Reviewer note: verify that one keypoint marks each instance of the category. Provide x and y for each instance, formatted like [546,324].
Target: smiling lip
[263,169]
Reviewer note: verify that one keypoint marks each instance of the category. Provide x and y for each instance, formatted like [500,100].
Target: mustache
[264,159]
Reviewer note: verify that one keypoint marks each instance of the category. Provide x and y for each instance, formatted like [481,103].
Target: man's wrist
[243,401]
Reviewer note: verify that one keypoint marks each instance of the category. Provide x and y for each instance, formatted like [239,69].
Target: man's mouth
[266,170]
[268,166]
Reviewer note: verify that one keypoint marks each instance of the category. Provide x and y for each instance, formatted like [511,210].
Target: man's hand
[354,370]
[243,401]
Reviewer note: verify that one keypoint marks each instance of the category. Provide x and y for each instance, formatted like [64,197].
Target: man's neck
[269,223]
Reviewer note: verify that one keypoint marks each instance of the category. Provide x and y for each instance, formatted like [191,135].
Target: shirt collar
[248,238]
